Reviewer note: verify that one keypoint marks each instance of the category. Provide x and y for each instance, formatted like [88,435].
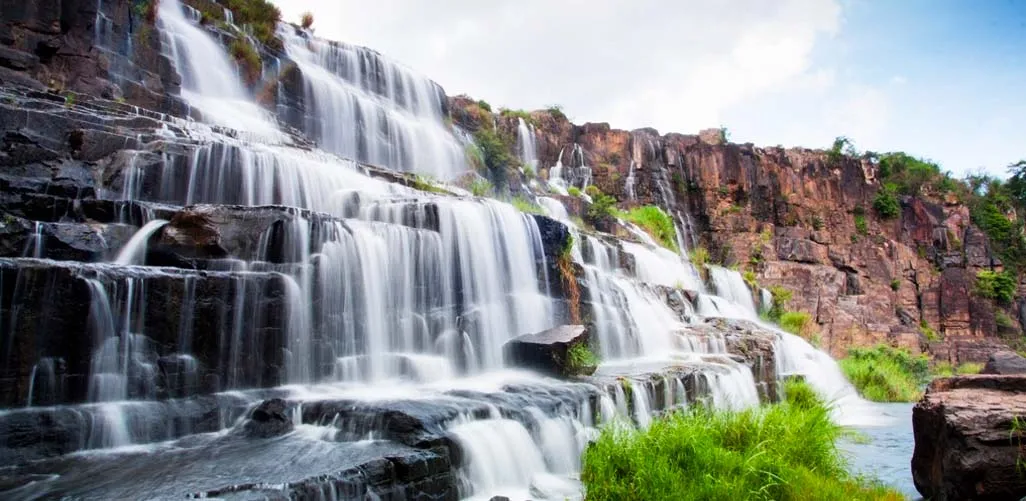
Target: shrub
[895,284]
[524,205]
[521,114]
[928,332]
[796,322]
[750,279]
[574,191]
[557,112]
[886,205]
[656,223]
[529,171]
[780,452]
[481,103]
[307,20]
[494,150]
[781,298]
[997,286]
[817,223]
[886,374]
[262,17]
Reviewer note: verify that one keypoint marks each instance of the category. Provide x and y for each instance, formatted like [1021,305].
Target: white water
[730,285]
[364,106]
[134,251]
[210,82]
[527,144]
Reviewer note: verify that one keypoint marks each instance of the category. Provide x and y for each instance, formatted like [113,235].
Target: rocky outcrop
[969,443]
[1005,362]
[551,351]
[269,419]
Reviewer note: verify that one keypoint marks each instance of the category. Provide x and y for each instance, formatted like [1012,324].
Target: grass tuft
[655,222]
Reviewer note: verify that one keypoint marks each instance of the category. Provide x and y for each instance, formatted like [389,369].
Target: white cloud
[676,66]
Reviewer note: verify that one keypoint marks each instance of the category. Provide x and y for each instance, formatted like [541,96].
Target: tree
[307,20]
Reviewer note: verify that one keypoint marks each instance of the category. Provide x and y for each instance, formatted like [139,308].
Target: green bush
[699,257]
[248,59]
[580,358]
[886,374]
[557,112]
[750,279]
[796,322]
[573,191]
[781,298]
[261,15]
[481,103]
[895,284]
[656,223]
[928,332]
[782,452]
[997,286]
[494,149]
[886,204]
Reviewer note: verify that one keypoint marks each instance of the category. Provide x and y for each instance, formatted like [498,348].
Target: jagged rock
[1005,362]
[268,420]
[499,498]
[548,351]
[965,444]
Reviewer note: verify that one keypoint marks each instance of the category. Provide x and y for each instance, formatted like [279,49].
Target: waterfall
[134,252]
[363,106]
[527,144]
[210,82]
[731,286]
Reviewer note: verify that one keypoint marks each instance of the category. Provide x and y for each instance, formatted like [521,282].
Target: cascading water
[366,107]
[359,302]
[527,144]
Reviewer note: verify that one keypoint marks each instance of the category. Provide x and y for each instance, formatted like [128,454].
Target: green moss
[781,452]
[860,224]
[886,374]
[573,191]
[656,223]
[928,332]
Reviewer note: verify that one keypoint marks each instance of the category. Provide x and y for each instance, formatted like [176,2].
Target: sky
[940,79]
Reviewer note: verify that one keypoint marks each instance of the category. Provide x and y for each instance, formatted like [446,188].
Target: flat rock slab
[547,351]
[966,448]
[1005,362]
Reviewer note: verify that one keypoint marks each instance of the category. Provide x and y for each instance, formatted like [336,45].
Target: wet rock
[965,445]
[269,419]
[549,351]
[1005,362]
[499,498]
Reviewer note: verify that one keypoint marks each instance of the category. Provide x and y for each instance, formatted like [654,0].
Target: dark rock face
[965,444]
[548,351]
[1005,362]
[269,419]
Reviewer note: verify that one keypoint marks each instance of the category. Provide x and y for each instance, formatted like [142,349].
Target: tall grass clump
[781,452]
[655,222]
[886,374]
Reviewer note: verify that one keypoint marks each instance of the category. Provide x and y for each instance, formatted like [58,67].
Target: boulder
[1005,362]
[549,351]
[269,419]
[966,446]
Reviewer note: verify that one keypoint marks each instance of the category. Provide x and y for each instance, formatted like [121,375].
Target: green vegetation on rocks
[524,205]
[886,374]
[785,451]
[580,359]
[655,222]
[998,286]
[945,369]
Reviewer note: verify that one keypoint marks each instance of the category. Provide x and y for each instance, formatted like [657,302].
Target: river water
[884,451]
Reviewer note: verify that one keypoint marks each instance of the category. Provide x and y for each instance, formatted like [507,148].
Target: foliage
[895,284]
[557,112]
[524,205]
[724,135]
[860,224]
[928,332]
[529,171]
[656,223]
[885,203]
[750,279]
[262,17]
[426,183]
[781,298]
[481,187]
[481,103]
[817,223]
[796,322]
[886,374]
[579,357]
[306,20]
[842,146]
[945,369]
[574,191]
[521,114]
[780,452]
[1004,321]
[602,206]
[997,286]
[913,176]
[699,257]
[494,150]
[248,59]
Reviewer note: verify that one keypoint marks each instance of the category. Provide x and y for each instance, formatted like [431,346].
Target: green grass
[945,369]
[426,183]
[796,322]
[573,191]
[481,188]
[655,222]
[781,452]
[886,374]
[699,257]
[524,205]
